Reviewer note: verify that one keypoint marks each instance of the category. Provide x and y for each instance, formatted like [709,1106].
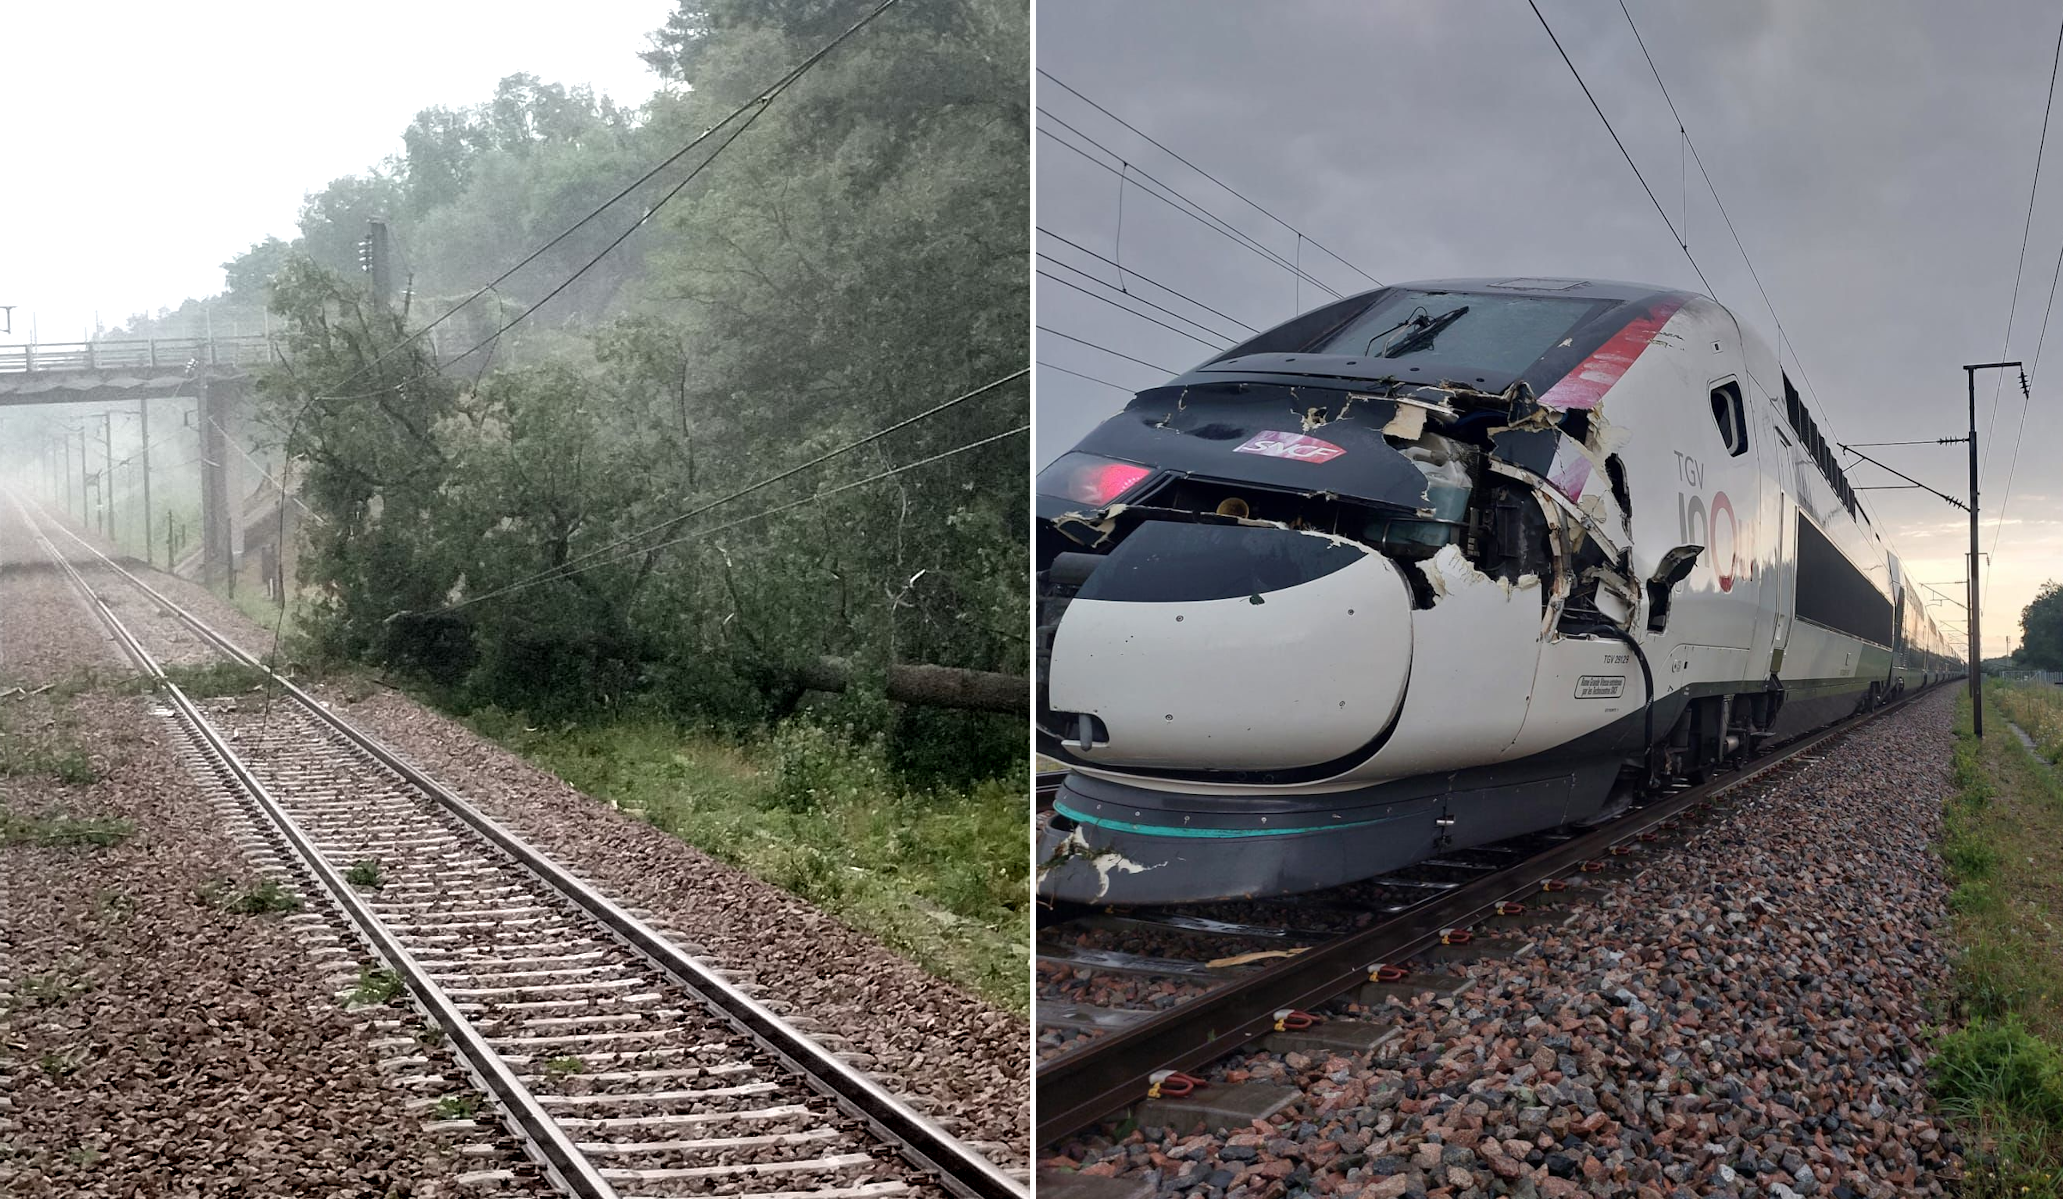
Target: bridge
[101,371]
[214,372]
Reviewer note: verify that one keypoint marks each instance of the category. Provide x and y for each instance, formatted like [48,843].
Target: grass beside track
[2000,1076]
[938,876]
[2037,708]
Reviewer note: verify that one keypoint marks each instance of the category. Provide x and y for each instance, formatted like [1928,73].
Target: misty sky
[1875,158]
[146,144]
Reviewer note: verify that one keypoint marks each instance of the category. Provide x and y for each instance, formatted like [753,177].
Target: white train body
[1615,551]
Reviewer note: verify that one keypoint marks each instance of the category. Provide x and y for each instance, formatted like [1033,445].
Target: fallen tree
[933,686]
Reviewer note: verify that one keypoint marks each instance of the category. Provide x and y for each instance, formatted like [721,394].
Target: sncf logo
[1290,445]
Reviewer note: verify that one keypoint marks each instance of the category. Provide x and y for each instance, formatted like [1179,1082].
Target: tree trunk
[933,686]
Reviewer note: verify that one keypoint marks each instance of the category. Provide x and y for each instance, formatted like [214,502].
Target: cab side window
[1728,415]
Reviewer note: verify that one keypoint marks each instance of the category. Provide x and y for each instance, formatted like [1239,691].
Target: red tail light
[1088,479]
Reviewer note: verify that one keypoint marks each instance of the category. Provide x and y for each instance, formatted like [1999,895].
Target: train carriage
[1436,565]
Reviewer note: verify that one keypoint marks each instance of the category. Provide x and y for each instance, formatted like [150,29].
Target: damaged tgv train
[1436,565]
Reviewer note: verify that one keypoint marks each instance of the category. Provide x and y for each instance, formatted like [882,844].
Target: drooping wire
[814,497]
[666,526]
[760,98]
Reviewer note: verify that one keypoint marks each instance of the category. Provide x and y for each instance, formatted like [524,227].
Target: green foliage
[560,1067]
[48,758]
[54,989]
[365,873]
[2010,1083]
[62,830]
[937,873]
[859,256]
[2000,1077]
[263,898]
[375,986]
[456,1107]
[215,678]
[2041,630]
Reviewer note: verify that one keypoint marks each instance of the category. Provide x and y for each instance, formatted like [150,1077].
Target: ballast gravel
[956,1056]
[152,1044]
[961,1058]
[1744,1017]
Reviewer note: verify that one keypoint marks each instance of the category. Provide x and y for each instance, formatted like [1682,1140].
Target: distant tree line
[2041,631]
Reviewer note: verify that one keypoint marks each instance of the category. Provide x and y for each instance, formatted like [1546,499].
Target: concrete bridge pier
[222,534]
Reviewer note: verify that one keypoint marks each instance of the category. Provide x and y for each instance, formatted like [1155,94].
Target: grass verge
[2000,1077]
[2038,709]
[62,830]
[936,875]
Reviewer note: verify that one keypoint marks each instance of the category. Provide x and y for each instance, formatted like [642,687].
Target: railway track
[1199,982]
[621,1063]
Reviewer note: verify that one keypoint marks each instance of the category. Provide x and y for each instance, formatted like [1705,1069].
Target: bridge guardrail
[159,353]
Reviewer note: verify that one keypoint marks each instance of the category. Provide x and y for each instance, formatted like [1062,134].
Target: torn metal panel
[1074,854]
[1591,524]
[1670,571]
[1408,424]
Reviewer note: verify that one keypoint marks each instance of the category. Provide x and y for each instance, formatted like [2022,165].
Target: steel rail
[918,1139]
[548,1143]
[1076,1089]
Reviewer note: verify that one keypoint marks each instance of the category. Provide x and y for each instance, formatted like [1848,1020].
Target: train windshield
[1501,333]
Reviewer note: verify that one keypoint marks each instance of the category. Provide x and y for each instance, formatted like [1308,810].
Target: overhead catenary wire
[1132,296]
[1133,274]
[1107,350]
[1091,378]
[760,99]
[765,101]
[668,525]
[1624,153]
[1179,202]
[2013,306]
[805,501]
[2034,368]
[1220,344]
[1690,144]
[1228,188]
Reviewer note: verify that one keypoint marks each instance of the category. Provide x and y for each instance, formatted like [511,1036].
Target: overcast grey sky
[1875,158]
[144,144]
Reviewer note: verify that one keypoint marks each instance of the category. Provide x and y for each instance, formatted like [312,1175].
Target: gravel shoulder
[150,1043]
[1747,1015]
[959,1057]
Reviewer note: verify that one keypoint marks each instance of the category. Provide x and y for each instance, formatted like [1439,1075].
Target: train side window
[1732,421]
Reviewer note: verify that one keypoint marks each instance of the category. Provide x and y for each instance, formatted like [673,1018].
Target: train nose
[1216,647]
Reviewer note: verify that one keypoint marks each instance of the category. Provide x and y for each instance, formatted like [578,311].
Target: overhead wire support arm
[1901,474]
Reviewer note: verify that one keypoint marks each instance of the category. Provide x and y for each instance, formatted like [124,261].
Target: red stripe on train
[1584,386]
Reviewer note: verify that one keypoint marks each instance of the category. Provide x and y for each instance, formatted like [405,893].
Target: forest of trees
[856,258]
